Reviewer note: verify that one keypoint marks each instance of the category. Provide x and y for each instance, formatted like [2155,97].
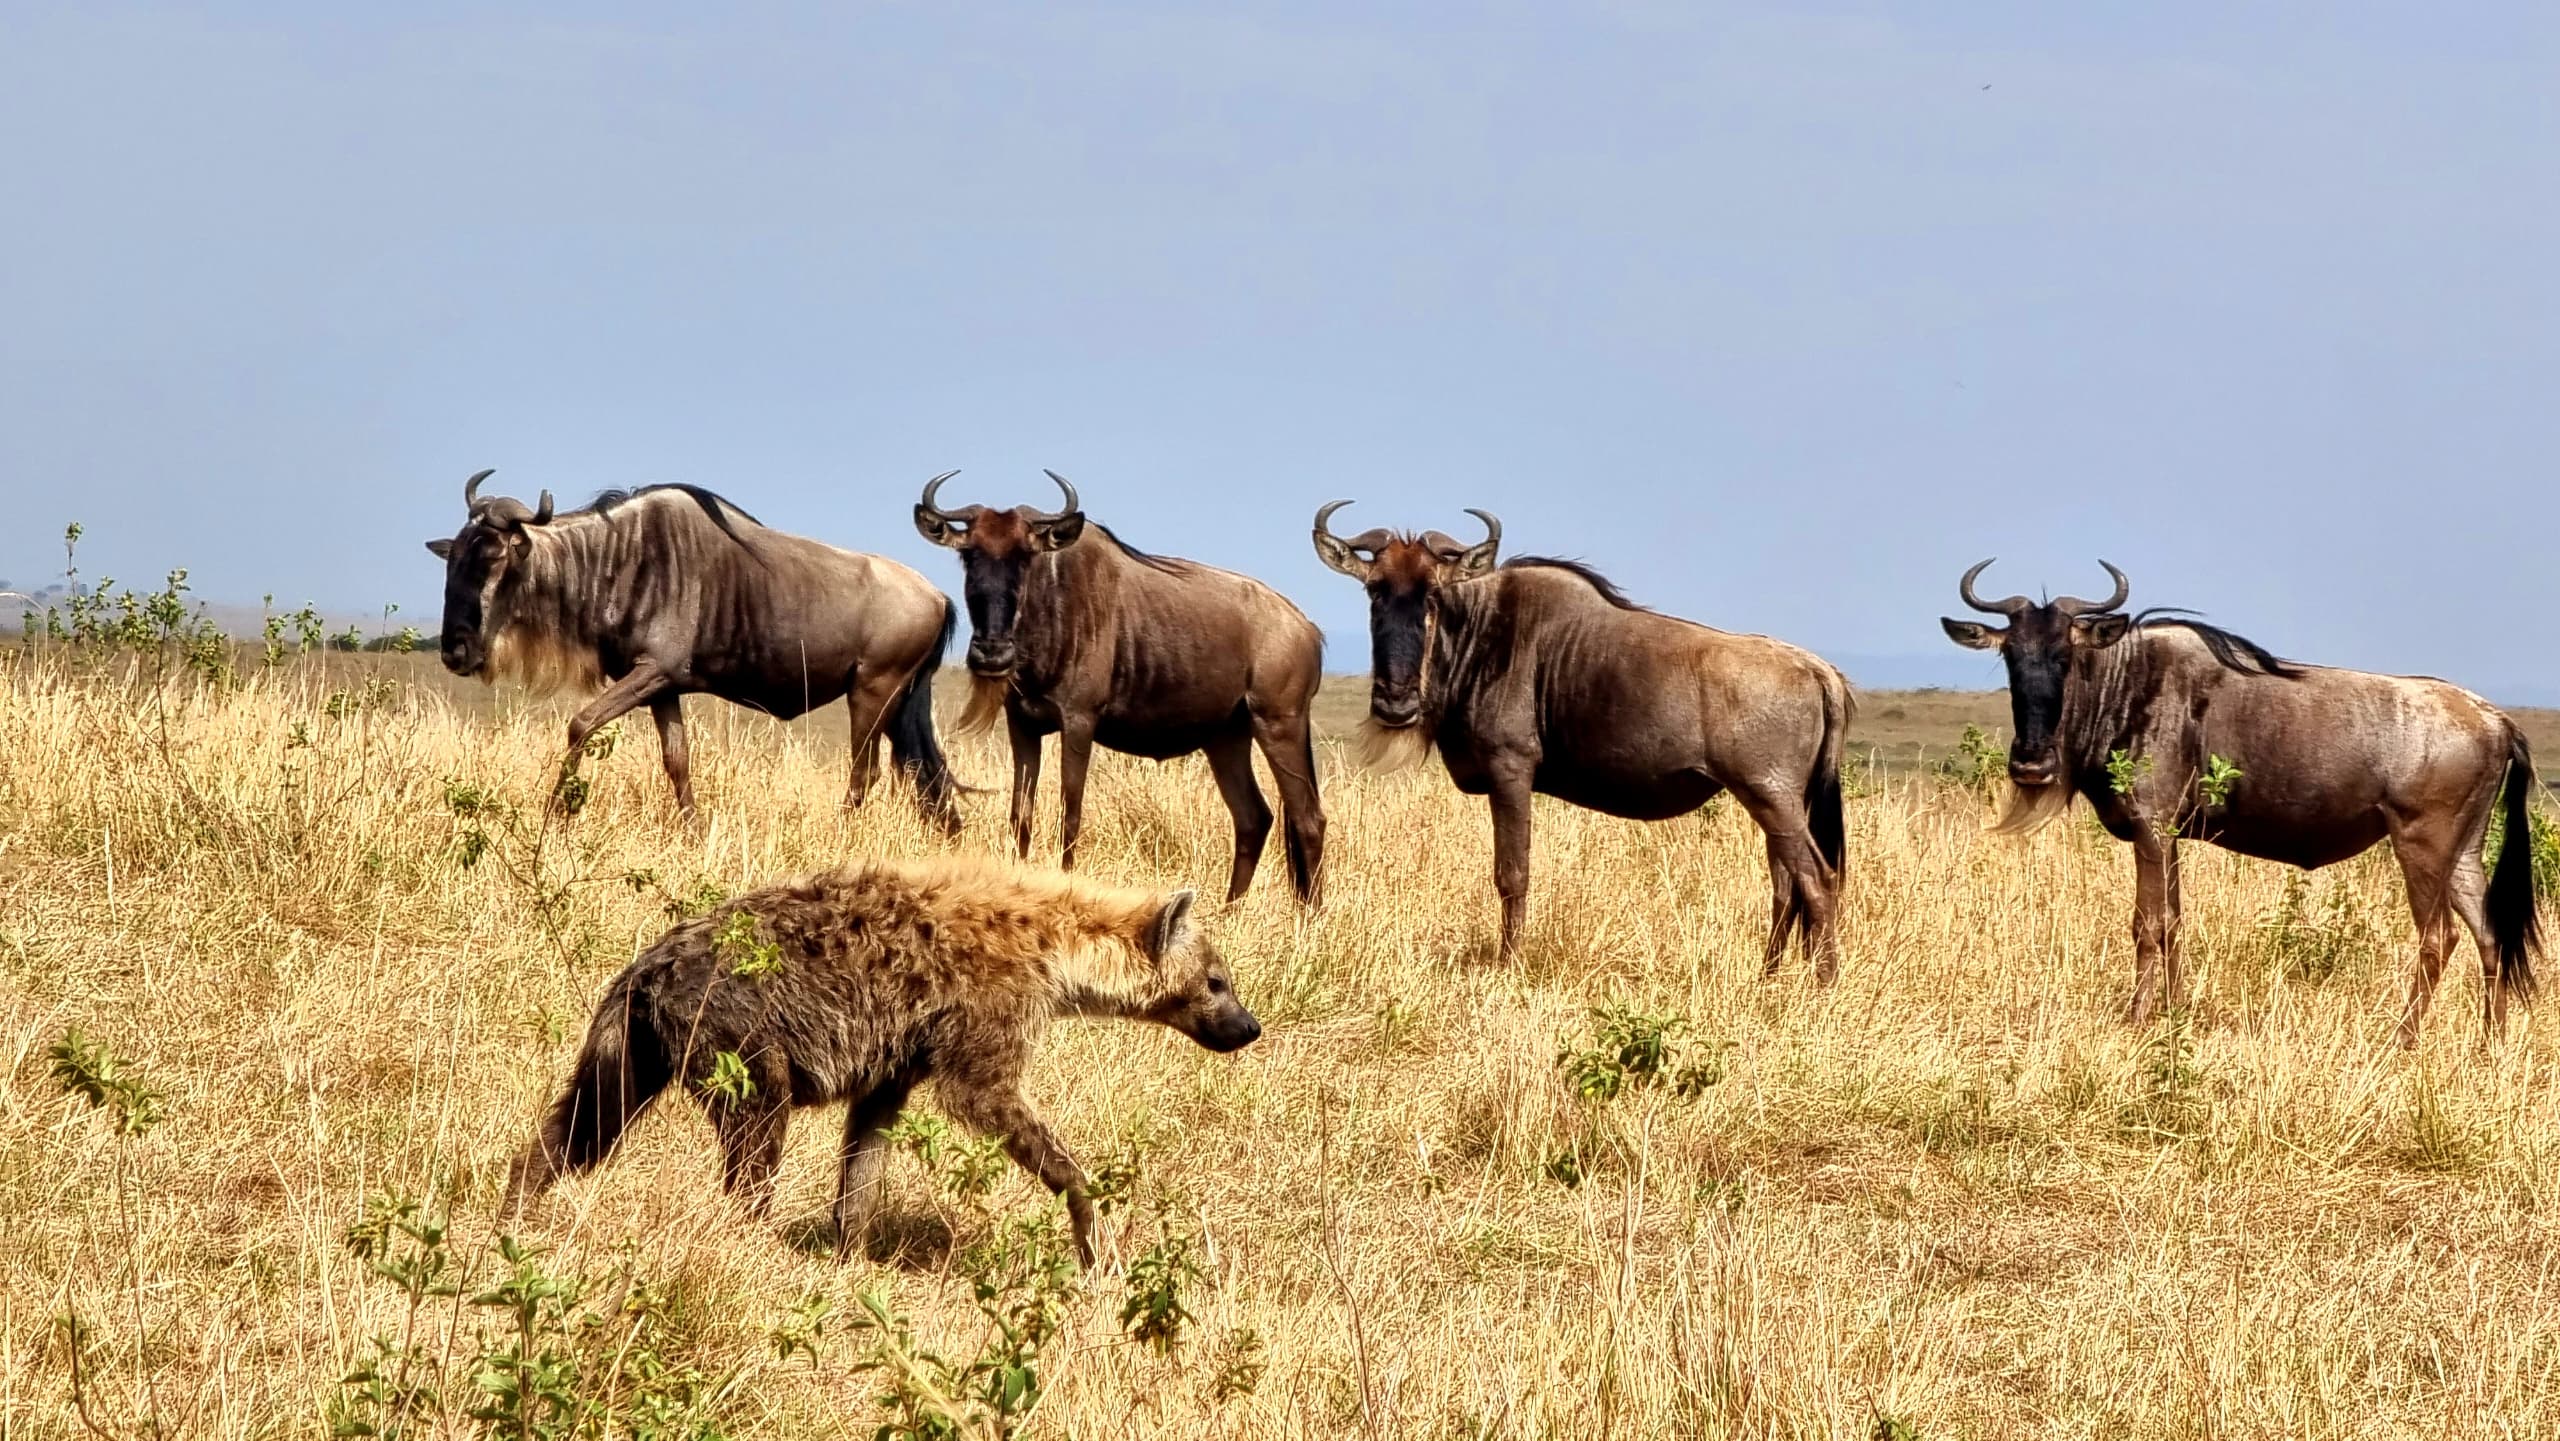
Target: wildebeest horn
[2072,605]
[1337,552]
[1964,587]
[1492,529]
[931,488]
[542,512]
[471,487]
[1073,505]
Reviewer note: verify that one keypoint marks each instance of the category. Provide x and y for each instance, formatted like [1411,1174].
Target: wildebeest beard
[1384,749]
[2032,808]
[986,702]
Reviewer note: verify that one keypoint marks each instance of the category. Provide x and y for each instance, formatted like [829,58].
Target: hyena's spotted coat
[889,974]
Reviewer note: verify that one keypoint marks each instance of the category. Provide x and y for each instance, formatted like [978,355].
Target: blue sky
[1776,314]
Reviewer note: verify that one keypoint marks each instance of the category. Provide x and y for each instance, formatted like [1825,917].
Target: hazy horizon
[1781,317]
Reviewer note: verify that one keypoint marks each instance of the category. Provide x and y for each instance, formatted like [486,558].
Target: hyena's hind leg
[866,1126]
[751,1134]
[999,1109]
[751,1124]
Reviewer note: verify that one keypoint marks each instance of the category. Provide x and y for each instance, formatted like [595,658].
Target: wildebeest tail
[912,744]
[2514,930]
[623,1066]
[1822,792]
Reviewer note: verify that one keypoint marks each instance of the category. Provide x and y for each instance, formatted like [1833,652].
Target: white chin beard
[2031,808]
[1383,748]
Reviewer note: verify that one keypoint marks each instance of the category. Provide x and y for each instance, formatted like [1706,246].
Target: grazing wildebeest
[858,983]
[2172,728]
[1538,676]
[1105,644]
[670,590]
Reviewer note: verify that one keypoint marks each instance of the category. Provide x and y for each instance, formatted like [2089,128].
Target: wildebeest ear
[1173,923]
[441,548]
[1058,533]
[2101,631]
[1332,551]
[935,527]
[1972,634]
[1476,560]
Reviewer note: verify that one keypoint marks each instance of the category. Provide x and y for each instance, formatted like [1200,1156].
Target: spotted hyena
[857,983]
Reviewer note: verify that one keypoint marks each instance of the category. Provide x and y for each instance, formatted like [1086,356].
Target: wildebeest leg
[641,686]
[668,711]
[1784,907]
[1511,848]
[874,691]
[2173,971]
[2151,917]
[1001,1111]
[1075,752]
[1026,779]
[866,1124]
[1231,761]
[2423,866]
[751,1142]
[1288,746]
[2469,885]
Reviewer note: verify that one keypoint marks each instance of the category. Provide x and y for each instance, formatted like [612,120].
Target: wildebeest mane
[2235,652]
[1145,558]
[1601,583]
[718,507]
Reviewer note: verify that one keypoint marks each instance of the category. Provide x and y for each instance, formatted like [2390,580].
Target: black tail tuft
[2514,930]
[1822,797]
[622,1068]
[912,744]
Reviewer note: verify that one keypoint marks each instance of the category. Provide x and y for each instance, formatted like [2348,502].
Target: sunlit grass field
[1953,1196]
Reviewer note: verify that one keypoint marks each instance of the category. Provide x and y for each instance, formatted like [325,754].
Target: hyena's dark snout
[1228,1028]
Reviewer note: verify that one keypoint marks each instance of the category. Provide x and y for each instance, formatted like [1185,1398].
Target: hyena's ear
[1173,923]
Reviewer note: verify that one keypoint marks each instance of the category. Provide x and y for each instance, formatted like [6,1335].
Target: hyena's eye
[1217,985]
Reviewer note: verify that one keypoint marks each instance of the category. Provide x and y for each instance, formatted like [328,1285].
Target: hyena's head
[1194,994]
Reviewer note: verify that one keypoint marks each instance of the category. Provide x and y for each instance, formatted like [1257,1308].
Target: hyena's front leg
[866,1125]
[1003,1112]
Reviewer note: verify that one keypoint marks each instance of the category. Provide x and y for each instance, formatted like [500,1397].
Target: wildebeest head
[1405,576]
[2038,645]
[1195,995]
[493,542]
[996,550]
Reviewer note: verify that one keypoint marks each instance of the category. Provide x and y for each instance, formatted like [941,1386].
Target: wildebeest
[1102,643]
[657,593]
[858,983]
[2174,729]
[1539,676]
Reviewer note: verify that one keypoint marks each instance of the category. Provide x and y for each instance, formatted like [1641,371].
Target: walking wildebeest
[1538,676]
[1105,644]
[2173,728]
[670,590]
[857,984]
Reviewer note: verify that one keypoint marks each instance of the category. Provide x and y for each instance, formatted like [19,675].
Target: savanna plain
[289,963]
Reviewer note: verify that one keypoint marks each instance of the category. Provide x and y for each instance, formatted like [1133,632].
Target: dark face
[2039,647]
[996,549]
[1403,585]
[477,563]
[1200,999]
[1405,576]
[1214,1017]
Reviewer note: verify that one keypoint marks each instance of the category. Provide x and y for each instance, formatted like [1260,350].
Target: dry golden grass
[1954,1190]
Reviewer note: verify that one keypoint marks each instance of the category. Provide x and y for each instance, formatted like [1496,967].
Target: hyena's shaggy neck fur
[1091,943]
